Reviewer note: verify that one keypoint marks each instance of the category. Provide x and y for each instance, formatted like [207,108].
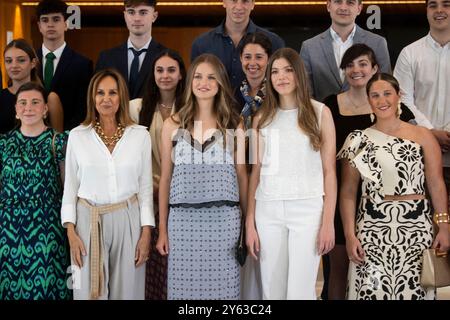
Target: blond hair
[226,114]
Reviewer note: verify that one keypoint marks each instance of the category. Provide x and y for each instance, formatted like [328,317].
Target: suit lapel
[327,46]
[41,66]
[146,66]
[63,63]
[360,35]
[122,61]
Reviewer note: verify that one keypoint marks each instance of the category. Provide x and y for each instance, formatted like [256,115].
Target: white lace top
[291,169]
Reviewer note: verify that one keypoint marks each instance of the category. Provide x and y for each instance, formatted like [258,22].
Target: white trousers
[289,261]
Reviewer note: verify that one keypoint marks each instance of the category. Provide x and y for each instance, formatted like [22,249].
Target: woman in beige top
[162,98]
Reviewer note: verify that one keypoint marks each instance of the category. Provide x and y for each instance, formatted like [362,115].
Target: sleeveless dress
[33,244]
[344,125]
[204,221]
[393,234]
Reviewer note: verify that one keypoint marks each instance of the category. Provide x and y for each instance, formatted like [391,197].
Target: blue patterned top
[203,173]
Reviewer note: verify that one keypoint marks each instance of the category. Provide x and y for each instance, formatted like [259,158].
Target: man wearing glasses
[133,59]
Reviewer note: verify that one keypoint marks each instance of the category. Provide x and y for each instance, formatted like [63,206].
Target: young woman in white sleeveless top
[292,190]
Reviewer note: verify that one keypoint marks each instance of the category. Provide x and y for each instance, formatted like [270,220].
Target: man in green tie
[63,70]
[48,70]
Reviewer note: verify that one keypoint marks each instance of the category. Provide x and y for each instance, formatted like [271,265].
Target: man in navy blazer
[139,16]
[323,53]
[71,71]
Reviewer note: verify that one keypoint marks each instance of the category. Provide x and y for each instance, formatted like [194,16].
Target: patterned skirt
[393,235]
[202,244]
[34,254]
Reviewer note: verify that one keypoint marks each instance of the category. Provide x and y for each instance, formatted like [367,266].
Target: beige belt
[96,245]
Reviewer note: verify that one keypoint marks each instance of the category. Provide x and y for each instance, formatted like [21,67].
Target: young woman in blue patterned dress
[33,254]
[202,186]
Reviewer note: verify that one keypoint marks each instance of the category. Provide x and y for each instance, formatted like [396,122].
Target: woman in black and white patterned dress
[393,222]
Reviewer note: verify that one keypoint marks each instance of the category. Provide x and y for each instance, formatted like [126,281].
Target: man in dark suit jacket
[321,53]
[71,71]
[139,17]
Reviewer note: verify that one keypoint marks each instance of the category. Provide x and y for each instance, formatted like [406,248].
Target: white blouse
[95,174]
[291,169]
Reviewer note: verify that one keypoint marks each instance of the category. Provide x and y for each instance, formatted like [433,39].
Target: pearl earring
[17,117]
[372,117]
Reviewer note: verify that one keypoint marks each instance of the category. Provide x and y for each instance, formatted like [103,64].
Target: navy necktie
[134,70]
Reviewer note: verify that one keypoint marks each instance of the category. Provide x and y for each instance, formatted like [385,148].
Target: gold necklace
[109,141]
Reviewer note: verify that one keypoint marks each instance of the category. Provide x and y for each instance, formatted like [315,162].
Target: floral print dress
[393,233]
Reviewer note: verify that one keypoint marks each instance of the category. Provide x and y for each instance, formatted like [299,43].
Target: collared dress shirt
[423,71]
[58,53]
[101,177]
[131,55]
[339,48]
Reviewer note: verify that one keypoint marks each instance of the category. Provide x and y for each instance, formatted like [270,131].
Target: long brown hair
[123,113]
[307,118]
[152,95]
[23,45]
[224,110]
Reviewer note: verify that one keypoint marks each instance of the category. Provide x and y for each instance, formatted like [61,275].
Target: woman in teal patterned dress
[33,247]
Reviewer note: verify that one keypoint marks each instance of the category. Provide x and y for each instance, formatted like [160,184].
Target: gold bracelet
[440,214]
[441,217]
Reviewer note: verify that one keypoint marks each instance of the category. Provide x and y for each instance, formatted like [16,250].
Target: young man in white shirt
[62,70]
[423,71]
[140,47]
